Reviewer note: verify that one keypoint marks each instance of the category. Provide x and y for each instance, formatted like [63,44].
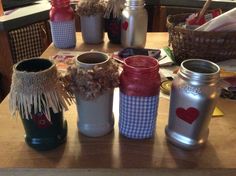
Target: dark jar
[139,97]
[42,134]
[62,23]
[38,97]
[113,28]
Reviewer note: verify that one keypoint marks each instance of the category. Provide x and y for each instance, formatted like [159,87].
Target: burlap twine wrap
[33,92]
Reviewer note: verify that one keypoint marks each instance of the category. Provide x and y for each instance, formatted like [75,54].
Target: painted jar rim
[200,69]
[148,64]
[104,59]
[31,62]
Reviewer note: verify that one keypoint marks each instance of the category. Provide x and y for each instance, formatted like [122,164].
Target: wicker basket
[186,44]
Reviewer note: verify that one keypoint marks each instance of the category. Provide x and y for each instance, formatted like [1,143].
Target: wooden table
[99,156]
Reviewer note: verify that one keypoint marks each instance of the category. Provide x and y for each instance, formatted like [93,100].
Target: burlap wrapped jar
[38,97]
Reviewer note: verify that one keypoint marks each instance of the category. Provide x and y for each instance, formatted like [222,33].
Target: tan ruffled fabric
[33,92]
[90,83]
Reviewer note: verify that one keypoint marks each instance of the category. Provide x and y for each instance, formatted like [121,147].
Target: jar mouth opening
[134,3]
[141,63]
[59,2]
[200,66]
[34,65]
[90,59]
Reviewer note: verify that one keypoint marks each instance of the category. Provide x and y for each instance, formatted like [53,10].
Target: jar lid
[166,86]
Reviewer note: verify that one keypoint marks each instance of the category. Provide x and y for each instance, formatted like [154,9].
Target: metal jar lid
[166,86]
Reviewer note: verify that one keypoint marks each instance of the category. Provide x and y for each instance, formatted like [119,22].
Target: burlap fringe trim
[40,102]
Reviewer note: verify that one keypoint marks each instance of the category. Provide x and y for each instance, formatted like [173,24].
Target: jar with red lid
[139,97]
[62,23]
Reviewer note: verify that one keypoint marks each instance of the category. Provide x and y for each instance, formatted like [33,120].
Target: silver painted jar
[95,116]
[92,28]
[193,97]
[134,23]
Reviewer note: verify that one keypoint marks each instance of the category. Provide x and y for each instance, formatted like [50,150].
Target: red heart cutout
[189,115]
[125,25]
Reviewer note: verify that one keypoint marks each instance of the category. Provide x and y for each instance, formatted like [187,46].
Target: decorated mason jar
[92,82]
[134,23]
[62,23]
[193,97]
[139,97]
[39,98]
[91,20]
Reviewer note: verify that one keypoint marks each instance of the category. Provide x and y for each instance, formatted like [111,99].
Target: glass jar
[139,97]
[37,95]
[95,116]
[193,97]
[113,28]
[134,21]
[62,23]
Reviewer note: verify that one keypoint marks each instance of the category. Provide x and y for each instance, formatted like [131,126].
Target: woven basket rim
[214,46]
[171,23]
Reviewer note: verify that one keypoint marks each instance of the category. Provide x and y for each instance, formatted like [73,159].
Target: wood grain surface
[97,156]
